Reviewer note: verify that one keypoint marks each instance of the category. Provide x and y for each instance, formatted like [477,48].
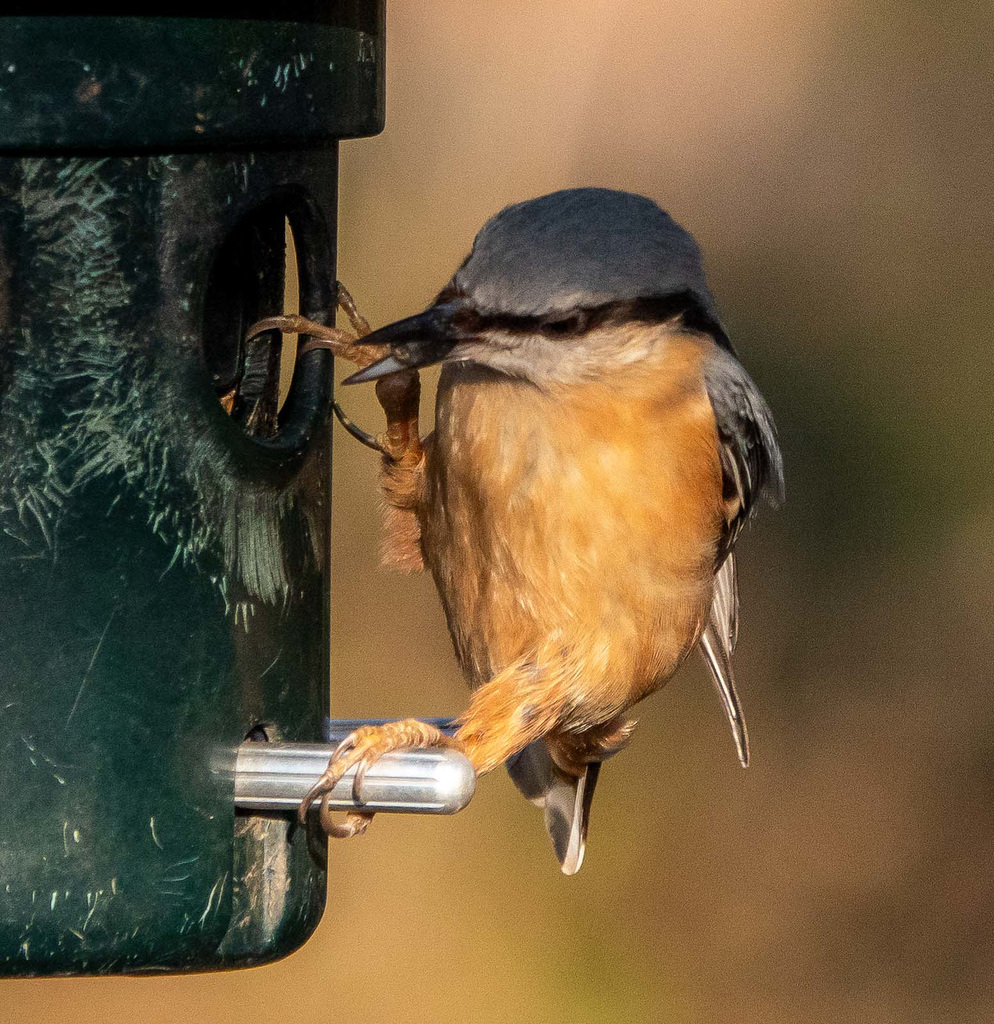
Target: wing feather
[752,468]
[717,644]
[751,464]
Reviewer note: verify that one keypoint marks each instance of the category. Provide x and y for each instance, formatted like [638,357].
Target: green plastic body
[164,566]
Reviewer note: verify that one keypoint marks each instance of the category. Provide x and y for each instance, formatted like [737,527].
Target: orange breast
[589,517]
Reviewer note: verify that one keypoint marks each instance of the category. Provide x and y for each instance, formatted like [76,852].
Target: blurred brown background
[834,162]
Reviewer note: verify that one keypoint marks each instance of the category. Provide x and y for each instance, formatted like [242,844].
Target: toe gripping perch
[277,776]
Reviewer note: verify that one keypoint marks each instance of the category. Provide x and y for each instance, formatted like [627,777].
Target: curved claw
[356,431]
[360,774]
[361,749]
[318,790]
[355,823]
[332,828]
[346,745]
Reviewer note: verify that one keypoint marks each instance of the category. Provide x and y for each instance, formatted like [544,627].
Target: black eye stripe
[567,326]
[650,309]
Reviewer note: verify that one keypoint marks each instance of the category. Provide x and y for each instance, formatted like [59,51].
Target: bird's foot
[338,341]
[360,749]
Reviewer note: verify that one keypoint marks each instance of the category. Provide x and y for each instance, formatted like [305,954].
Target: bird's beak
[417,341]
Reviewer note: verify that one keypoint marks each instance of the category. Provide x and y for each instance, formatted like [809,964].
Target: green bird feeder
[164,519]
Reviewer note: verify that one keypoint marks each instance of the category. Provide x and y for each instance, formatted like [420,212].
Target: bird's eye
[565,326]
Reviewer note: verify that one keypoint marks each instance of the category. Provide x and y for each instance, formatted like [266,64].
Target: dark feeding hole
[255,275]
[257,734]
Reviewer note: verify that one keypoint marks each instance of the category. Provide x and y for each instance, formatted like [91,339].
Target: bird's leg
[402,472]
[520,704]
[573,751]
[398,393]
[524,702]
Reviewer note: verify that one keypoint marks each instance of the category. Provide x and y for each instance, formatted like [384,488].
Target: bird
[597,449]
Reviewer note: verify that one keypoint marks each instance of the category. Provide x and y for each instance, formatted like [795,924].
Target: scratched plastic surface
[164,577]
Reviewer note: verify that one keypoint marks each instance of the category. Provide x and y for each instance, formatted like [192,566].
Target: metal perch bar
[277,776]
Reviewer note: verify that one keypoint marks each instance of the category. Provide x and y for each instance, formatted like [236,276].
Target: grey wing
[752,467]
[751,464]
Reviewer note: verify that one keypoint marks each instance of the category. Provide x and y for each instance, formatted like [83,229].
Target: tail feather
[565,799]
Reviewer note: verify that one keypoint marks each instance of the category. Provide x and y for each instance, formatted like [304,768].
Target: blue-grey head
[561,288]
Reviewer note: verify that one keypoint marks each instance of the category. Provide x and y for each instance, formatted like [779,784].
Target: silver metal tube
[277,776]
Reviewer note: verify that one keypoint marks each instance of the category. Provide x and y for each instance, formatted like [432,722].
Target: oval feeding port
[255,275]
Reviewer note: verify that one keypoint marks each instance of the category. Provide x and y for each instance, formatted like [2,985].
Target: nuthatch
[597,449]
